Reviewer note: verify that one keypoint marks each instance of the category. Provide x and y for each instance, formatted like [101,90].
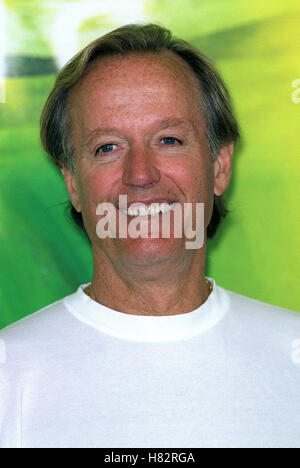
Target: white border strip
[2,53]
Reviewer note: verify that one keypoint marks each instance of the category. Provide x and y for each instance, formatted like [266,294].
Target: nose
[140,168]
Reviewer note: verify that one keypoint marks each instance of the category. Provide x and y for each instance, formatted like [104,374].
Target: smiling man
[137,129]
[151,353]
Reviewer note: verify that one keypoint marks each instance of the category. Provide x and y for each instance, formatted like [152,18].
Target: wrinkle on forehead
[136,79]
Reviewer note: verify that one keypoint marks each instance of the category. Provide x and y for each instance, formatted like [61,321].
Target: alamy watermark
[143,220]
[296,93]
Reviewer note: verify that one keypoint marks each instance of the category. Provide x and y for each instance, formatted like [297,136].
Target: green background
[256,48]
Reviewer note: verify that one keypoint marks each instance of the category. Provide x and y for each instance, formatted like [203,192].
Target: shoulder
[37,332]
[34,321]
[252,307]
[258,321]
[265,336]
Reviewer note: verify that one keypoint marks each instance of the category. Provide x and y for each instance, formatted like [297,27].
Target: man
[151,353]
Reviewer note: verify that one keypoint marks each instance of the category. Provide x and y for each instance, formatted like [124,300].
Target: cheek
[90,195]
[195,179]
[196,182]
[94,189]
[96,185]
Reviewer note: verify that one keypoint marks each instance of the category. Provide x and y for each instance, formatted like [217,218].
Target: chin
[150,251]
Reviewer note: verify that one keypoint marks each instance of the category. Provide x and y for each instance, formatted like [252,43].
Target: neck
[169,287]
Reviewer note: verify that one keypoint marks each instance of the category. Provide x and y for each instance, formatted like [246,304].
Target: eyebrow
[165,123]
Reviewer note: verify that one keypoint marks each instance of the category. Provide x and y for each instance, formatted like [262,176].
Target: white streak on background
[2,53]
[65,29]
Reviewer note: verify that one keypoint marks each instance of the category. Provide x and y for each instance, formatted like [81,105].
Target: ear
[71,185]
[222,169]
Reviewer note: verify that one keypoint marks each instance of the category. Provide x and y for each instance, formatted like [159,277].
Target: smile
[138,209]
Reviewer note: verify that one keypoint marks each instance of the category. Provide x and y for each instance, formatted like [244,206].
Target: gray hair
[221,125]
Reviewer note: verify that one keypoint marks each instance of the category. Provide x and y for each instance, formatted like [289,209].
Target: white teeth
[143,211]
[151,210]
[164,207]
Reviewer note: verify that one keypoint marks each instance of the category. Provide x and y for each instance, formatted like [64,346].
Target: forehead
[136,85]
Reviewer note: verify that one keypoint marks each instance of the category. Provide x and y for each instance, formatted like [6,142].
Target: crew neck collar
[146,328]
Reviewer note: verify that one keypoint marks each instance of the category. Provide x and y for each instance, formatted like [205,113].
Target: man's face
[137,130]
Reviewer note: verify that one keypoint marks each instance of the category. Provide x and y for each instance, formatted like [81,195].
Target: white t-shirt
[78,374]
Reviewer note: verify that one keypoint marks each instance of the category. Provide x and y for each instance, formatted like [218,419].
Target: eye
[170,140]
[106,148]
